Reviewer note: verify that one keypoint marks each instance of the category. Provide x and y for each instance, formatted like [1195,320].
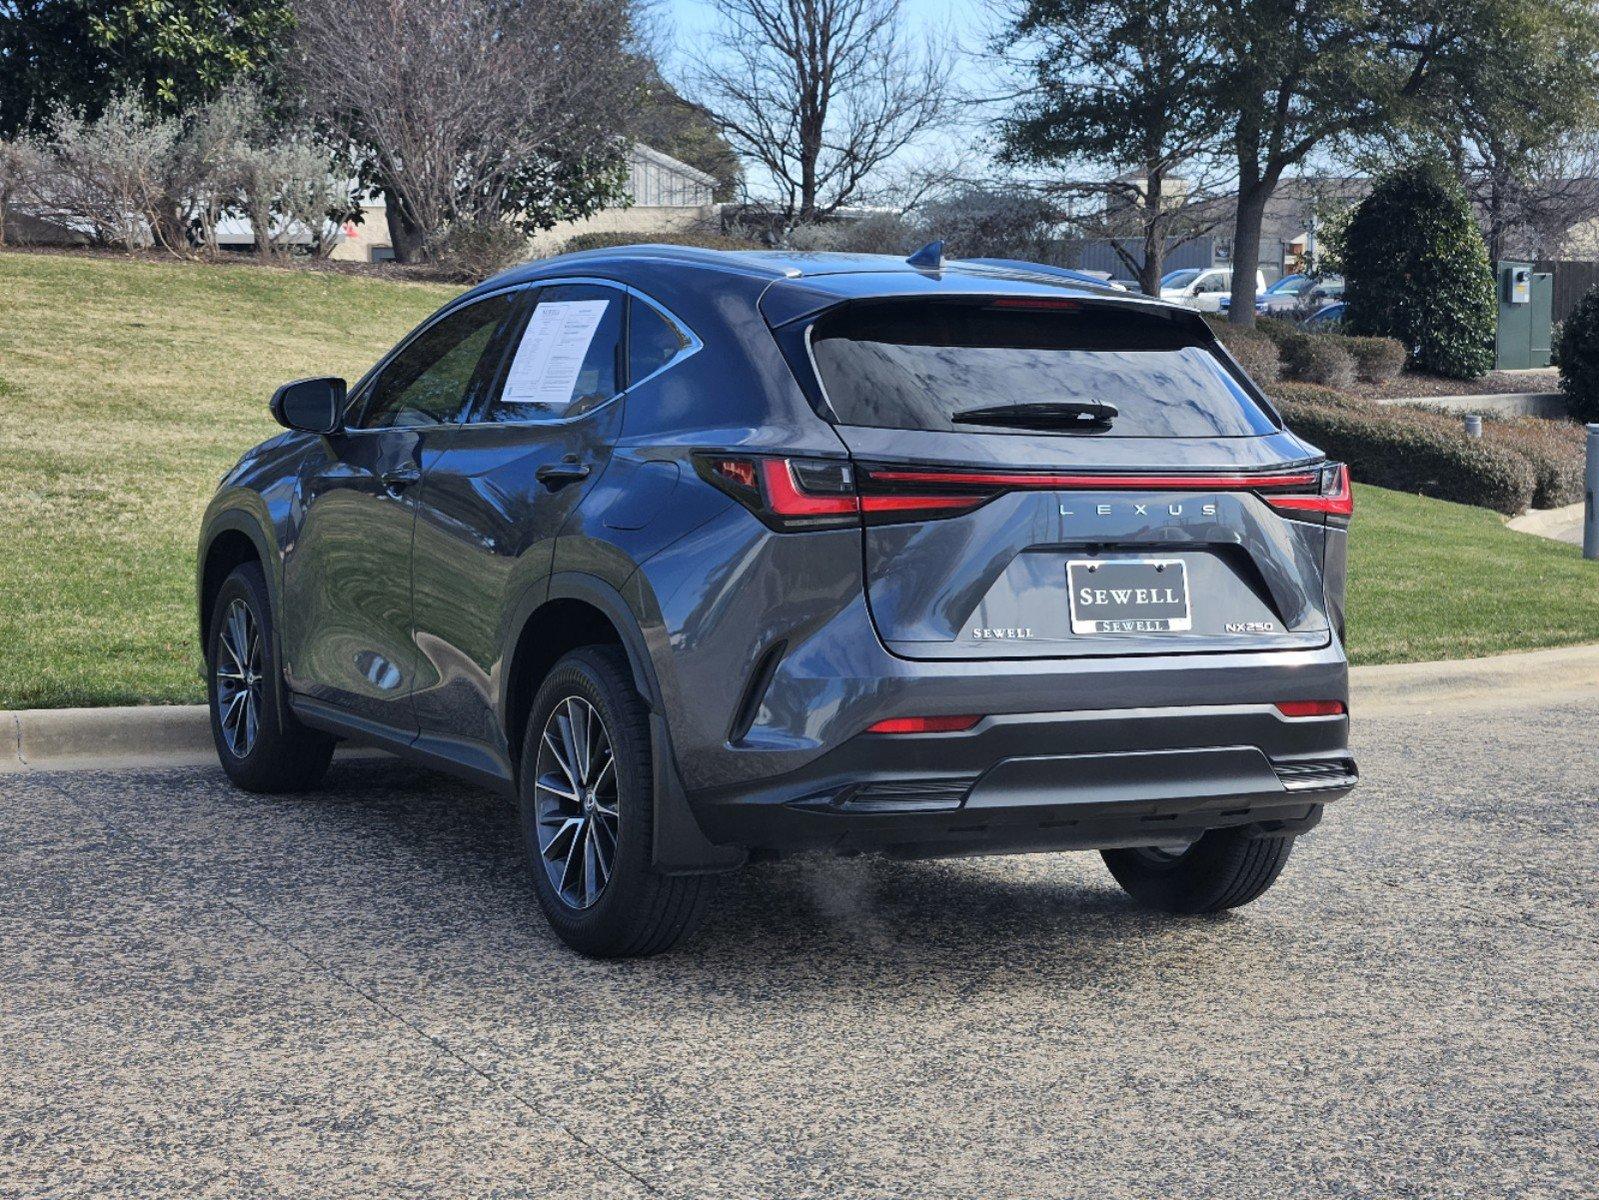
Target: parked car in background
[920,557]
[1326,319]
[1302,294]
[1202,288]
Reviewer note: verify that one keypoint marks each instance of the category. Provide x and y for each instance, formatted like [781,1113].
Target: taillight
[805,493]
[1311,708]
[1333,495]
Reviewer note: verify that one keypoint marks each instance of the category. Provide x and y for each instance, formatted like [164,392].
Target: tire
[627,909]
[274,752]
[1223,869]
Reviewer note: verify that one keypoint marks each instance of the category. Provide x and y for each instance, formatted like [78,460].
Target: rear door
[1069,479]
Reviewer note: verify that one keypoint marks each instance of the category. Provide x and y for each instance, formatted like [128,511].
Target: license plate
[1128,595]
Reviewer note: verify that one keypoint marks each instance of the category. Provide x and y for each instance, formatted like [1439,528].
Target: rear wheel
[1223,869]
[260,744]
[587,806]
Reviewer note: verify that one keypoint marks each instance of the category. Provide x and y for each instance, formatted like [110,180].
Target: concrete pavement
[206,993]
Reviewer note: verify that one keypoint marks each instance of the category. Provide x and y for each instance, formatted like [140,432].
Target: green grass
[127,388]
[1429,579]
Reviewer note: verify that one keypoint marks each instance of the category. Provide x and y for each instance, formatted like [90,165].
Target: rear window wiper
[1046,414]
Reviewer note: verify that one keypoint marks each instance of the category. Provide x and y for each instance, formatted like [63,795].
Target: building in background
[667,196]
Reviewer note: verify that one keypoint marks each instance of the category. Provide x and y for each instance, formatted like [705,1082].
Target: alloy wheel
[575,797]
[239,679]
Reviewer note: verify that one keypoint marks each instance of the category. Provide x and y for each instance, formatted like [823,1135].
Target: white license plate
[1128,595]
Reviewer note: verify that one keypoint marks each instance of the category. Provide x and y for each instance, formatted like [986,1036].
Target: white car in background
[1203,287]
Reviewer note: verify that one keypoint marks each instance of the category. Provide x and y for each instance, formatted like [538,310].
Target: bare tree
[819,94]
[466,112]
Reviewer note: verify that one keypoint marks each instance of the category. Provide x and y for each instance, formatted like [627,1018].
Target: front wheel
[586,792]
[260,744]
[1224,869]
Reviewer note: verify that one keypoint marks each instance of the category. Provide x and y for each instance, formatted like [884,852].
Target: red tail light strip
[1339,502]
[787,500]
[1005,479]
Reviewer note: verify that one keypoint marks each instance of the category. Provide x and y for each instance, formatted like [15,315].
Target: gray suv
[701,555]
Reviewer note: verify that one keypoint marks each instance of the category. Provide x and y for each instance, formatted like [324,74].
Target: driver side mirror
[311,405]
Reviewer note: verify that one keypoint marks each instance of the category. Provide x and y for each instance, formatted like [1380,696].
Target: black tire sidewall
[285,755]
[1225,868]
[595,673]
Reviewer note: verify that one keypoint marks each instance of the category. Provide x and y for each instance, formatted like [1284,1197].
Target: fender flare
[679,846]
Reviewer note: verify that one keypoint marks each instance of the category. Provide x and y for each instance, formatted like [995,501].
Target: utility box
[1526,312]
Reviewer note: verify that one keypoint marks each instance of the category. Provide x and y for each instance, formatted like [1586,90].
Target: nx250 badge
[1140,510]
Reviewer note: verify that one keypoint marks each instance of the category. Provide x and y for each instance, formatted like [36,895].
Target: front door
[347,571]
[496,500]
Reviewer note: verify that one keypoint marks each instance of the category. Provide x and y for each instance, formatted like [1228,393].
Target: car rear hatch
[1042,477]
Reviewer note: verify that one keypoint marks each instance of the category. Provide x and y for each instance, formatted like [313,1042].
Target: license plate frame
[1111,616]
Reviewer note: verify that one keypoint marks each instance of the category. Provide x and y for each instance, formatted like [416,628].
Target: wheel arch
[232,539]
[574,610]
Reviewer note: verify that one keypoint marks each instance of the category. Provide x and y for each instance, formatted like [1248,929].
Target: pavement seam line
[500,1086]
[16,730]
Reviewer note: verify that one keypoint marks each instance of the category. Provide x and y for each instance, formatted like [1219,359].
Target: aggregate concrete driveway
[204,993]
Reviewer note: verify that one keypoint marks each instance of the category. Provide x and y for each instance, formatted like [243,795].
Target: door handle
[557,475]
[397,479]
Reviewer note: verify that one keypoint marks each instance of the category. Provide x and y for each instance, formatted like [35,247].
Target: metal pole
[1473,425]
[1590,511]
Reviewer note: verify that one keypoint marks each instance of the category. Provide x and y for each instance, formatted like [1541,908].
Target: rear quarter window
[916,365]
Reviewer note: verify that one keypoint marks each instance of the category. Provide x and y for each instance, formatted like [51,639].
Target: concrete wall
[373,232]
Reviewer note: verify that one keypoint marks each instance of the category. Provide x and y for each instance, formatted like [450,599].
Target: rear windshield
[916,365]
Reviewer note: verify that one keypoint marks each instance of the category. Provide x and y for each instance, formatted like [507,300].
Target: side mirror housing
[311,405]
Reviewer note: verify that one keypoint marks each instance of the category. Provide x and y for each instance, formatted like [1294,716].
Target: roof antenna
[929,258]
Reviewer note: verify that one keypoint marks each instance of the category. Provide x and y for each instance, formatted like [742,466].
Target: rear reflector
[924,725]
[1311,708]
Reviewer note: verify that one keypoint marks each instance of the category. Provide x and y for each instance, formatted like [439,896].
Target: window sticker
[551,355]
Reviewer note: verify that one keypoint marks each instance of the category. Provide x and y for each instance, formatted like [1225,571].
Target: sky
[961,21]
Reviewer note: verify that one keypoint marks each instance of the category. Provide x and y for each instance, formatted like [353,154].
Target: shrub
[112,174]
[1377,359]
[1276,328]
[609,241]
[1257,356]
[1578,352]
[1317,358]
[1556,450]
[1416,269]
[474,250]
[1256,353]
[1409,450]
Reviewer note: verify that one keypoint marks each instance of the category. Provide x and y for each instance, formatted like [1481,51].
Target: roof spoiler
[1032,268]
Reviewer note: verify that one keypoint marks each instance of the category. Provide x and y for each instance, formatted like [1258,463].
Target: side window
[427,382]
[566,360]
[652,341]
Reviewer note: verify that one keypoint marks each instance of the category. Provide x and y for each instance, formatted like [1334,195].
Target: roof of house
[649,154]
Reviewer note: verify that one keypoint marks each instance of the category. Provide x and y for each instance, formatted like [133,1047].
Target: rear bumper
[1048,781]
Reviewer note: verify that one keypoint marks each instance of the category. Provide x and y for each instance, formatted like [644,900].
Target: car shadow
[808,921]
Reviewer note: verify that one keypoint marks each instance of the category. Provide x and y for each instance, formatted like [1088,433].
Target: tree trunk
[409,242]
[1154,232]
[1246,251]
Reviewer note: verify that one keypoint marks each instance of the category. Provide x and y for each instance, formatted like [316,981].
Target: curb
[76,739]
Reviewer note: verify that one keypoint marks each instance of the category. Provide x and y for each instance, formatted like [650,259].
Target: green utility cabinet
[1526,312]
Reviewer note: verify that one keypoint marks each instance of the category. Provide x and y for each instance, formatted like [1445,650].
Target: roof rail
[1032,268]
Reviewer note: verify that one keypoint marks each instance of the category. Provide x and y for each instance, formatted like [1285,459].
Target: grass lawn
[126,388]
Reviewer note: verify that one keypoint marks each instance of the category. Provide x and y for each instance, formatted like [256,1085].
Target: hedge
[1577,355]
[1409,450]
[1557,451]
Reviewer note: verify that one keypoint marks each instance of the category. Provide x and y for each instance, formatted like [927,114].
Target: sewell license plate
[1128,595]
